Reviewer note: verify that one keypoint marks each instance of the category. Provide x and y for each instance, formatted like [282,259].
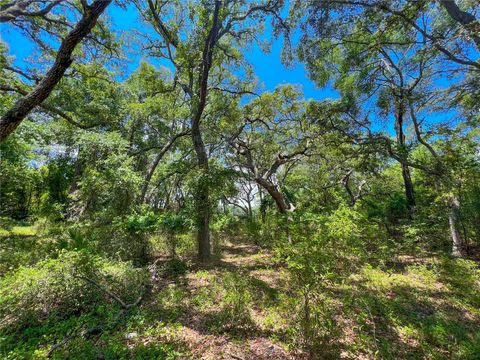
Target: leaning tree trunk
[154,166]
[453,219]
[15,115]
[283,206]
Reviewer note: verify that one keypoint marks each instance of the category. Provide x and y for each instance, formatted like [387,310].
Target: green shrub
[175,267]
[56,288]
[173,224]
[116,240]
[323,251]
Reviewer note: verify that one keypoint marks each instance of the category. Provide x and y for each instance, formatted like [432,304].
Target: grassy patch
[419,313]
[18,231]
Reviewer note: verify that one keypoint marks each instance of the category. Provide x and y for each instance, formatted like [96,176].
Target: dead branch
[111,294]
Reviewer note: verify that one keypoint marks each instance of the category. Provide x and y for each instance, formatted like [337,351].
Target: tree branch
[10,12]
[13,117]
[49,108]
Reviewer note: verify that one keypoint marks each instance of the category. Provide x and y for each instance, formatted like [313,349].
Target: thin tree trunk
[407,178]
[76,173]
[263,209]
[409,191]
[453,219]
[159,157]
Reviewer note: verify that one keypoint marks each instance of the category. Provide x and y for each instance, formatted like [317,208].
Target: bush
[324,250]
[173,224]
[116,240]
[56,288]
[173,268]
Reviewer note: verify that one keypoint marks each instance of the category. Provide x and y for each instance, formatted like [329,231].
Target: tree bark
[202,199]
[409,191]
[249,206]
[263,209]
[13,117]
[453,219]
[283,206]
[407,178]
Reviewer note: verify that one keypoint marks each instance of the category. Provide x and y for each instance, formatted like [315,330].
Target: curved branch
[13,117]
[10,12]
[383,6]
[159,157]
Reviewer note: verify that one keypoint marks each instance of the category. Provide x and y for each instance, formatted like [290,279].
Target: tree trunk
[409,191]
[202,198]
[249,207]
[76,173]
[150,173]
[282,204]
[284,207]
[159,157]
[263,209]
[203,192]
[407,178]
[453,219]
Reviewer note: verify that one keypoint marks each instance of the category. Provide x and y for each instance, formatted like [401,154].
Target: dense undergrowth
[252,301]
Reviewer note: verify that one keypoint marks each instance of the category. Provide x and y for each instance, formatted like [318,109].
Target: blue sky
[267,66]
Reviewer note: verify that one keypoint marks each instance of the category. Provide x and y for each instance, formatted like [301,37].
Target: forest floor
[245,306]
[243,326]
